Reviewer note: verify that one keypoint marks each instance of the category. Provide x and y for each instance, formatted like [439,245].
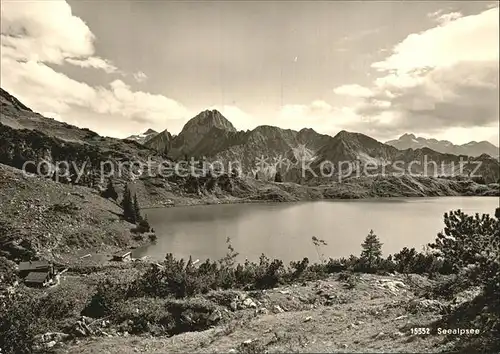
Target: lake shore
[169,194]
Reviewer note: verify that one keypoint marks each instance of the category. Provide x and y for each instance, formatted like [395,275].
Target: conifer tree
[372,252]
[137,210]
[128,206]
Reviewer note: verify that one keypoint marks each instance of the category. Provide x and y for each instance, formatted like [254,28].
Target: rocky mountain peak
[408,136]
[197,128]
[344,135]
[150,131]
[209,119]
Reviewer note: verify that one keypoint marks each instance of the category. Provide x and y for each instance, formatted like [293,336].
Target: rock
[50,344]
[82,329]
[233,305]
[307,319]
[358,323]
[380,335]
[278,309]
[248,341]
[401,317]
[284,292]
[345,346]
[249,303]
[78,194]
[352,325]
[392,285]
[51,337]
[426,305]
[215,317]
[465,296]
[263,311]
[232,350]
[397,334]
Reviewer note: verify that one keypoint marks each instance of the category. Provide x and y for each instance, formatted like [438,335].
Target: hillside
[40,217]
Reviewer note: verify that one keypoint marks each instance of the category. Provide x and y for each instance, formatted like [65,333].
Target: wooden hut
[24,268]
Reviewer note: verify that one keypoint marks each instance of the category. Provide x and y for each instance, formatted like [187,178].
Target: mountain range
[473,148]
[260,152]
[267,149]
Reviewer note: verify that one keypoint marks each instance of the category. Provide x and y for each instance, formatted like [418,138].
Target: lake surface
[284,230]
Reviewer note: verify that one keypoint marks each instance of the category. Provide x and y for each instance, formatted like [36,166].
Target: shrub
[298,268]
[108,296]
[20,323]
[471,244]
[7,272]
[145,315]
[277,177]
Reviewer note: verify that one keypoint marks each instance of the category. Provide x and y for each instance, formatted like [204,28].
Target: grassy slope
[48,216]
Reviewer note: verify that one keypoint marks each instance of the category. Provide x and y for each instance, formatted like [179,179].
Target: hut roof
[33,265]
[36,277]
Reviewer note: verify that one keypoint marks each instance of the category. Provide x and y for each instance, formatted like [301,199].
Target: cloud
[440,79]
[444,18]
[471,38]
[318,114]
[141,107]
[47,31]
[39,33]
[140,76]
[94,62]
[354,90]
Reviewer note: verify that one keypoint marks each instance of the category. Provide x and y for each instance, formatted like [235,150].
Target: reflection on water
[284,230]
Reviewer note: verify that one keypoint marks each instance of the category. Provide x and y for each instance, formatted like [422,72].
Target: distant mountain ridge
[144,137]
[473,148]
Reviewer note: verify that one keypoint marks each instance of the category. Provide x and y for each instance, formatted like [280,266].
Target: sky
[383,69]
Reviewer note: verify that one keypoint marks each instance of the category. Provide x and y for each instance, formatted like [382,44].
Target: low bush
[20,322]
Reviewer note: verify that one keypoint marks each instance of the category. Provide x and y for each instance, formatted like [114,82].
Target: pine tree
[137,210]
[371,253]
[277,177]
[110,191]
[128,206]
[256,175]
